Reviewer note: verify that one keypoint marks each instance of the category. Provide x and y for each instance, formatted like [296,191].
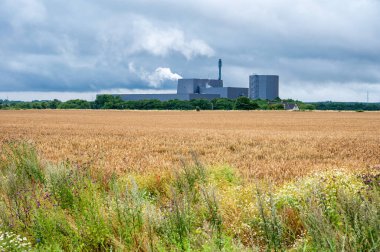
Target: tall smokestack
[220,69]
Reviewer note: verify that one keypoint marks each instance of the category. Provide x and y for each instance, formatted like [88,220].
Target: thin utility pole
[367,97]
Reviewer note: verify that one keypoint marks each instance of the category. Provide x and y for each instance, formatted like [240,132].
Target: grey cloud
[23,12]
[88,46]
[127,35]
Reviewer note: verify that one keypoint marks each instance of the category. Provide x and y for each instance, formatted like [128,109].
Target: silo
[265,87]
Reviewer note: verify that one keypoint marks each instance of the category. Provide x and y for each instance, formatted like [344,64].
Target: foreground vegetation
[53,207]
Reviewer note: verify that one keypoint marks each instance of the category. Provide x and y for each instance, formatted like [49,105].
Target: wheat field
[275,145]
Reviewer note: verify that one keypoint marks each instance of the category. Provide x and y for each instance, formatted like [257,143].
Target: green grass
[62,207]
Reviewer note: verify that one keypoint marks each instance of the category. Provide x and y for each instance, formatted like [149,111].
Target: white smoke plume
[156,78]
[160,75]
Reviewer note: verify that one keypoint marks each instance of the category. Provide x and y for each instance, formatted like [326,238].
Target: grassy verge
[45,207]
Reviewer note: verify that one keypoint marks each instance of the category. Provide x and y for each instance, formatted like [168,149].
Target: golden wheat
[275,145]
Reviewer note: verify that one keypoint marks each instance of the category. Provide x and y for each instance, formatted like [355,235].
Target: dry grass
[260,144]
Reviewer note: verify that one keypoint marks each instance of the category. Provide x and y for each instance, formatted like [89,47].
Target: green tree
[75,104]
[307,106]
[223,104]
[101,100]
[276,106]
[203,104]
[36,105]
[144,104]
[108,102]
[177,105]
[114,103]
[244,103]
[54,104]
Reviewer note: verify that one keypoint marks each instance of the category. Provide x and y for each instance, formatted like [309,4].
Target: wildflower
[12,242]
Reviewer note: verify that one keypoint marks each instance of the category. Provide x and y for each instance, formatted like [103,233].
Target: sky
[321,49]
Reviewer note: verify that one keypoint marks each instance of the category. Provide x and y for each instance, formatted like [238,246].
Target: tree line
[356,106]
[115,102]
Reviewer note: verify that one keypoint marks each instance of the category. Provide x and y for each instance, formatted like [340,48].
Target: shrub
[128,209]
[244,103]
[62,185]
[50,227]
[337,212]
[21,180]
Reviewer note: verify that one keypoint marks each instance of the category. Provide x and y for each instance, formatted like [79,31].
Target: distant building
[194,86]
[291,106]
[166,97]
[260,87]
[265,87]
[189,89]
[226,92]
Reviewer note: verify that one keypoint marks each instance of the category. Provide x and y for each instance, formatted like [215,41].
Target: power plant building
[260,86]
[189,89]
[265,87]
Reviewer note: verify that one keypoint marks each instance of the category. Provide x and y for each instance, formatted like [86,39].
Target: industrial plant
[264,87]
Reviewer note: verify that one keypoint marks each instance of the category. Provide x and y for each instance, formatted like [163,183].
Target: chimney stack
[220,69]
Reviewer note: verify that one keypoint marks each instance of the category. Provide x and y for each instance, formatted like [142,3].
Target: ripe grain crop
[276,145]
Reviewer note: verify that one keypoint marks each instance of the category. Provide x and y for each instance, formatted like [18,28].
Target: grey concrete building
[265,87]
[194,86]
[226,92]
[166,97]
[188,89]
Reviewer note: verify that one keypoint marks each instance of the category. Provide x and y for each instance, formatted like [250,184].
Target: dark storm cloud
[88,46]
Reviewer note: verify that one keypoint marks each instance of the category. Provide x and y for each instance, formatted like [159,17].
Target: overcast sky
[322,49]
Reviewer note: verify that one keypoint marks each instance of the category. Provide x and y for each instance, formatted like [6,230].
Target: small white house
[291,106]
